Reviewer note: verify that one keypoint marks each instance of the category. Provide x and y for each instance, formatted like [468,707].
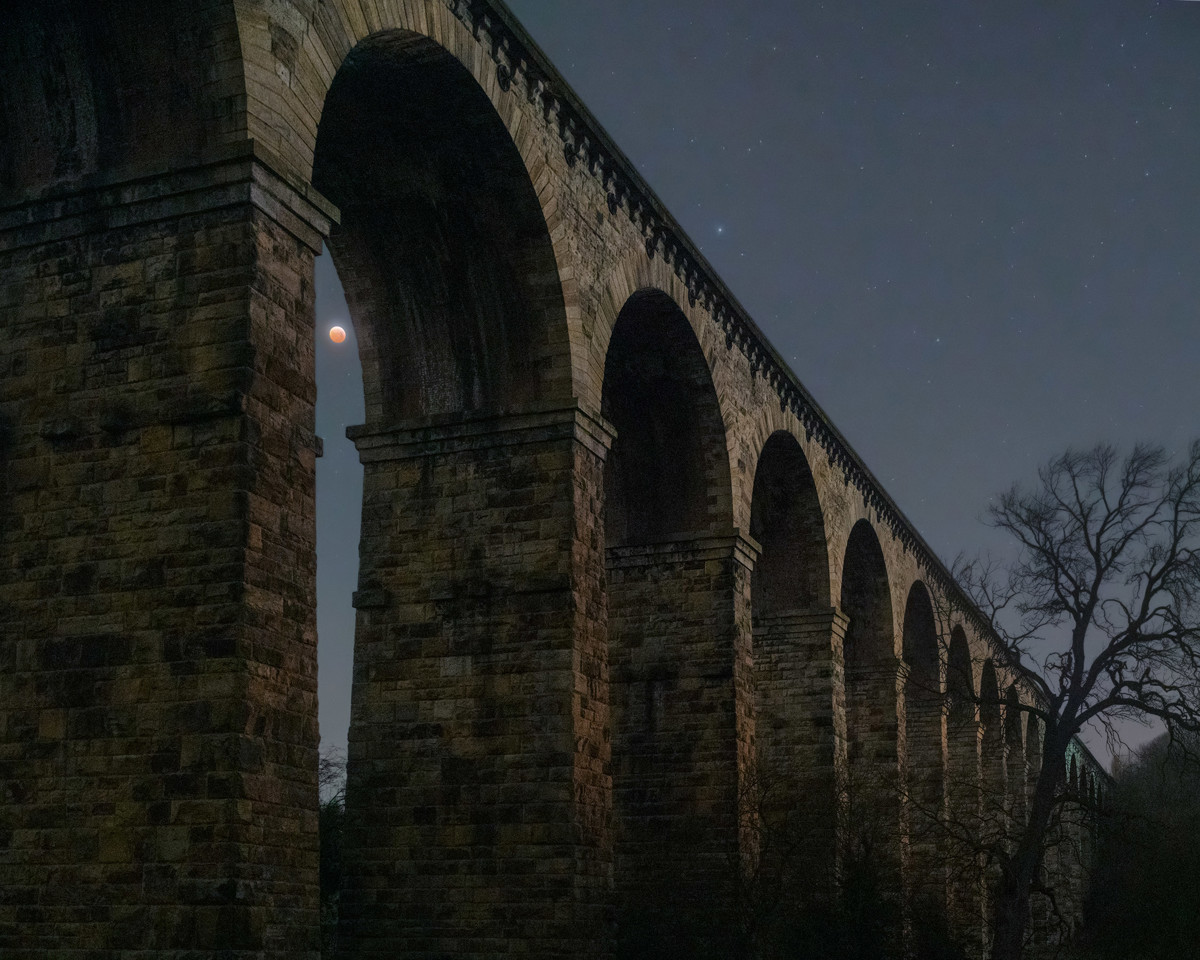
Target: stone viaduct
[631,609]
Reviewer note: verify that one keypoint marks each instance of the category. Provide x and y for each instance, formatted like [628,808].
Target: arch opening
[922,681]
[866,601]
[924,768]
[452,287]
[792,571]
[442,248]
[960,677]
[339,489]
[793,664]
[667,474]
[674,643]
[872,720]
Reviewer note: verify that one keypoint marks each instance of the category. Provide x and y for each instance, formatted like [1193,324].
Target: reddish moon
[337,334]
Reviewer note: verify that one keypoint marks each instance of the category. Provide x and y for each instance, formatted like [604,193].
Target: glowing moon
[337,334]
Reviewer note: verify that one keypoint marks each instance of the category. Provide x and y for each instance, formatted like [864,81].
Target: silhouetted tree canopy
[1099,615]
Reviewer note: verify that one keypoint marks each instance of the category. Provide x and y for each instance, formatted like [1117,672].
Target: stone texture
[159,657]
[573,667]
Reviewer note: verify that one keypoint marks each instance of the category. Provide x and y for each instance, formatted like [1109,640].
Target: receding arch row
[502,642]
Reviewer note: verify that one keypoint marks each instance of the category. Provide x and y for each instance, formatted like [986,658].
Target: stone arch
[960,675]
[871,705]
[636,274]
[452,278]
[866,599]
[794,627]
[924,765]
[668,473]
[82,103]
[293,54]
[920,646]
[679,677]
[442,248]
[792,572]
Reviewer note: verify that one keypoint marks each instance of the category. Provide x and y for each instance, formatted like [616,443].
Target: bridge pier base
[679,617]
[800,728]
[478,789]
[158,740]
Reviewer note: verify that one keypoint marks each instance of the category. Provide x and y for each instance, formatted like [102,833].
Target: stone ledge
[684,548]
[434,436]
[797,622]
[242,173]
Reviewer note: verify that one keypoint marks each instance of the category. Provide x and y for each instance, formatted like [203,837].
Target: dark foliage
[1145,898]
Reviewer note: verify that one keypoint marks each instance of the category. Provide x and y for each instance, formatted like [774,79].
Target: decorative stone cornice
[522,65]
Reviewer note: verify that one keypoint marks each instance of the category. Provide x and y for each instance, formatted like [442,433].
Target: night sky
[972,228]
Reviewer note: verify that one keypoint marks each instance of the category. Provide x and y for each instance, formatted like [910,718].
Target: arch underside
[442,247]
[677,746]
[924,769]
[796,725]
[473,569]
[871,705]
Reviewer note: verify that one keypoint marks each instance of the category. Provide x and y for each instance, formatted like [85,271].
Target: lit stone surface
[618,571]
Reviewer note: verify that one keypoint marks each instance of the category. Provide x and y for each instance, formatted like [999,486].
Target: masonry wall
[681,728]
[157,668]
[158,691]
[478,786]
[800,726]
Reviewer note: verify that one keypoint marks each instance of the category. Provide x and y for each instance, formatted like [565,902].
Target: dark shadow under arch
[924,765]
[866,602]
[442,247]
[872,720]
[793,672]
[668,471]
[676,654]
[792,571]
[920,646]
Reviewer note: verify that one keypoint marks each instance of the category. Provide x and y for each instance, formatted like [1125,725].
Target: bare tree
[1099,615]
